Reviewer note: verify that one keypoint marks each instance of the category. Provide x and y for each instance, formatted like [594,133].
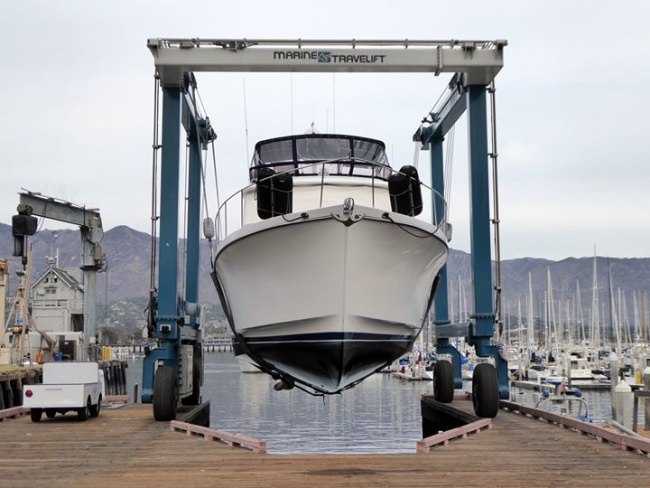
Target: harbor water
[380,415]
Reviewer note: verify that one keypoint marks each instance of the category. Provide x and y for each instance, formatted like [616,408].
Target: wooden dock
[126,447]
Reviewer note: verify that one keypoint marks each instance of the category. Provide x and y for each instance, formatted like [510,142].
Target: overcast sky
[573,106]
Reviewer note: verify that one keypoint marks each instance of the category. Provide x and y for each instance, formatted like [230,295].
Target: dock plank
[126,447]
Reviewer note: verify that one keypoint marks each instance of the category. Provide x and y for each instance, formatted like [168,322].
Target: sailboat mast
[531,324]
[579,312]
[612,311]
[595,307]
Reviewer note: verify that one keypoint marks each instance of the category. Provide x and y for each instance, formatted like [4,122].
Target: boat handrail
[438,209]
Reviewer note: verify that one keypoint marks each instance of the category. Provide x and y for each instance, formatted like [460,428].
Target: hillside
[128,275]
[127,253]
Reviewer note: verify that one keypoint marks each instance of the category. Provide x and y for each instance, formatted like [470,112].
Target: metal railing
[185,43]
[231,214]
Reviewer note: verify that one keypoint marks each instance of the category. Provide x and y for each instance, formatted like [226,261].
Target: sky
[573,106]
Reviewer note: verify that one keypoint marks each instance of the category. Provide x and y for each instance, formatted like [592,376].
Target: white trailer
[67,386]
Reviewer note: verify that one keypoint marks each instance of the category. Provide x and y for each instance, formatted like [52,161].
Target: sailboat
[323,270]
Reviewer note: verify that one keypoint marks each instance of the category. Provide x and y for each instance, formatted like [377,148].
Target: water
[599,404]
[380,415]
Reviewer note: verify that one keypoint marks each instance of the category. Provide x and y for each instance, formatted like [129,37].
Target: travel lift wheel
[165,394]
[485,390]
[443,382]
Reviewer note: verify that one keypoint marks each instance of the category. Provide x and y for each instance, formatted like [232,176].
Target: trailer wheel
[485,390]
[94,409]
[84,412]
[165,394]
[49,413]
[35,414]
[443,382]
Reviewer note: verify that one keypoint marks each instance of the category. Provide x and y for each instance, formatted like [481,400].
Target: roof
[67,279]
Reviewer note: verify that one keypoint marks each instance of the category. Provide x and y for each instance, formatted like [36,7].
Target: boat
[413,368]
[324,270]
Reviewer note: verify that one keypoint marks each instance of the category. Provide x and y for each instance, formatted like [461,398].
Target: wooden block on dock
[12,413]
[228,438]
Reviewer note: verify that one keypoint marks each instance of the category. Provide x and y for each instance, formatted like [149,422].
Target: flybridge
[479,61]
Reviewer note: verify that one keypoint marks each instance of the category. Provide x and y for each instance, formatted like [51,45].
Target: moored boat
[329,275]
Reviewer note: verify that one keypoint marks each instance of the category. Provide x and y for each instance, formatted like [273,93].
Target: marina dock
[126,447]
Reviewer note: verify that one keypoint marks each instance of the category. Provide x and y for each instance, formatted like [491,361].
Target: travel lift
[174,369]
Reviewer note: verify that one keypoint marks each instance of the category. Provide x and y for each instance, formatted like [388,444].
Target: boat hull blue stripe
[330,337]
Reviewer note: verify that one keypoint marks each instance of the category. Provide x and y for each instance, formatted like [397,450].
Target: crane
[169,371]
[93,257]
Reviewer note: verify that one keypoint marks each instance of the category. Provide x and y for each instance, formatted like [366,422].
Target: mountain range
[128,271]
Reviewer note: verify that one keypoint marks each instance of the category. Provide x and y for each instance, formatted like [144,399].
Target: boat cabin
[304,172]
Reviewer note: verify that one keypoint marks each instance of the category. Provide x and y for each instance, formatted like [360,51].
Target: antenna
[53,258]
[291,98]
[334,103]
[243,81]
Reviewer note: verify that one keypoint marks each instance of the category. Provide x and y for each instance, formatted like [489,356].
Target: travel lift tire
[165,394]
[485,390]
[443,382]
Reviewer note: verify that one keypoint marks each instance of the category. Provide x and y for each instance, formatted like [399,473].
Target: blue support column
[480,213]
[169,195]
[441,301]
[438,184]
[193,222]
[483,317]
[168,314]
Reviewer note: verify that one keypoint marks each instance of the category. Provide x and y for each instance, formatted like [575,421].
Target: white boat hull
[327,299]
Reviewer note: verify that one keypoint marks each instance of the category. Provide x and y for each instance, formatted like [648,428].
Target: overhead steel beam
[479,61]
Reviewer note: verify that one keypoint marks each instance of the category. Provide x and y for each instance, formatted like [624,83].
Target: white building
[57,301]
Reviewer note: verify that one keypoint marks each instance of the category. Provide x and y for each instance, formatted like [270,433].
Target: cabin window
[369,150]
[316,149]
[276,152]
[50,290]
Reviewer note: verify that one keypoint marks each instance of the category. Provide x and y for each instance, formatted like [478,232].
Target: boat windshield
[354,156]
